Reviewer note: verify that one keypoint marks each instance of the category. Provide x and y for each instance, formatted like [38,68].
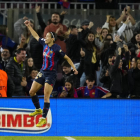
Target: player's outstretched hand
[27,22]
[75,71]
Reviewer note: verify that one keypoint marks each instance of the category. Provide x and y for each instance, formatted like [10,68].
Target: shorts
[46,77]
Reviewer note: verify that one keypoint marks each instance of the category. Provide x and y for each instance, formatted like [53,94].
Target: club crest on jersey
[60,50]
[17,120]
[51,52]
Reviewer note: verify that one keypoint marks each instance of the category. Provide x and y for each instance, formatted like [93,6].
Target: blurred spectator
[110,4]
[92,91]
[58,28]
[30,80]
[3,83]
[112,24]
[128,32]
[130,77]
[73,45]
[134,44]
[68,72]
[42,23]
[5,41]
[29,65]
[86,26]
[91,61]
[14,69]
[136,77]
[23,32]
[104,76]
[108,48]
[36,51]
[5,55]
[100,37]
[6,85]
[68,90]
[116,74]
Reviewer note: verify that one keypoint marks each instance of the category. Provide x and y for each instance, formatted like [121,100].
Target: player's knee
[32,93]
[46,96]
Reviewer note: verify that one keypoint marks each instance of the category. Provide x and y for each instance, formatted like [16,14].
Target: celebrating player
[51,54]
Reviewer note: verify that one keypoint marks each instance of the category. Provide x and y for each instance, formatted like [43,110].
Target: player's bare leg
[35,87]
[47,92]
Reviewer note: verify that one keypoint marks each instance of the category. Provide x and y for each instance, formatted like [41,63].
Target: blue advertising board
[72,117]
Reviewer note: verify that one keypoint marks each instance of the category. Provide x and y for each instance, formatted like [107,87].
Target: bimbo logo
[18,121]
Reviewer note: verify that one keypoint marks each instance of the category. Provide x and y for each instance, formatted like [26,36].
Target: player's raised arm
[34,34]
[71,63]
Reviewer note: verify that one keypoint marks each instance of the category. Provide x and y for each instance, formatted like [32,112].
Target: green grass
[63,138]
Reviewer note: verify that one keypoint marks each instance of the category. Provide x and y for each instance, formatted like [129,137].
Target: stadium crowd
[107,60]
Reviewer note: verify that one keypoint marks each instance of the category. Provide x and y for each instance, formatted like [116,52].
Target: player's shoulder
[56,47]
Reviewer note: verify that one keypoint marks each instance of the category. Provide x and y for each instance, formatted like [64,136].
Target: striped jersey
[51,55]
[95,92]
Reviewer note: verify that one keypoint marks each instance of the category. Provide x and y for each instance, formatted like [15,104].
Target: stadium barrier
[71,117]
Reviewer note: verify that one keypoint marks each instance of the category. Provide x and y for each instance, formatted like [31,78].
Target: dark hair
[28,69]
[57,13]
[71,92]
[110,56]
[107,36]
[90,78]
[89,45]
[133,39]
[110,29]
[49,20]
[71,27]
[35,69]
[53,35]
[65,64]
[18,51]
[3,30]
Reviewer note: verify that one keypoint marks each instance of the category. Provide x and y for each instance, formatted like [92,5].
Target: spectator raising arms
[58,28]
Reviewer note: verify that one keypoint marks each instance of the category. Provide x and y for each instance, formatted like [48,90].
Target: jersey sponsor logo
[44,54]
[93,93]
[18,121]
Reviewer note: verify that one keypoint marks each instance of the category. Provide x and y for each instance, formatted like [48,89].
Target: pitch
[66,138]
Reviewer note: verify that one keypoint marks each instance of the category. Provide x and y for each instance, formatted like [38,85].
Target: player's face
[30,62]
[90,84]
[34,74]
[68,86]
[48,38]
[66,70]
[55,18]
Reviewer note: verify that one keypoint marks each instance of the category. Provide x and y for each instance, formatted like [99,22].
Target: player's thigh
[48,89]
[35,87]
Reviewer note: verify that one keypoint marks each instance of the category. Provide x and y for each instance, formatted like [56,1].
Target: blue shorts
[46,77]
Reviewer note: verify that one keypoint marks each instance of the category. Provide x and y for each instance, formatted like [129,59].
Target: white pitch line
[70,138]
